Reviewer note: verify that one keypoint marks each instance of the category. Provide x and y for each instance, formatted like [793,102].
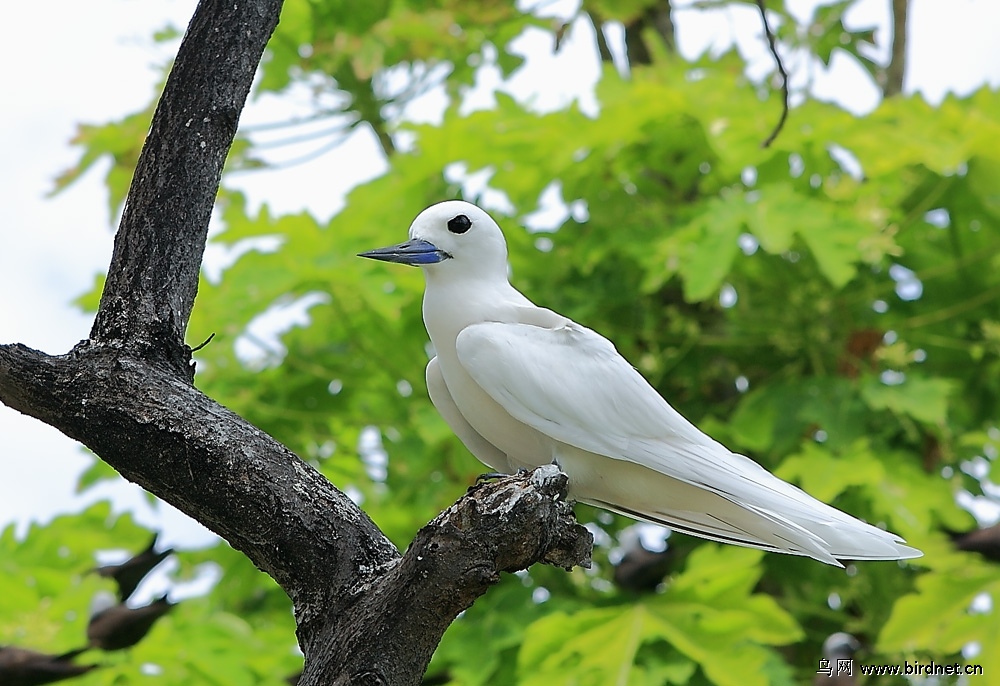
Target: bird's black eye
[459,224]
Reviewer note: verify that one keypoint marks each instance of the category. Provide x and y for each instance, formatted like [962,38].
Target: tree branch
[153,277]
[656,16]
[364,614]
[602,41]
[344,577]
[162,433]
[503,526]
[896,71]
[781,71]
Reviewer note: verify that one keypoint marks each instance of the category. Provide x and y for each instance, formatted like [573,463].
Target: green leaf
[825,475]
[709,606]
[924,399]
[601,643]
[97,472]
[710,251]
[940,618]
[832,234]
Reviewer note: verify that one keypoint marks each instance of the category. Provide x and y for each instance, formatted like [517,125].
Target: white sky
[67,62]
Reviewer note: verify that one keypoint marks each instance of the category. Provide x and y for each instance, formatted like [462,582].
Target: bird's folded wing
[571,384]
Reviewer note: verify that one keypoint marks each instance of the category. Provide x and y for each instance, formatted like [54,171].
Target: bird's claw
[490,476]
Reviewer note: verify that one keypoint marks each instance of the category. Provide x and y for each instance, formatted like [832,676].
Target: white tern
[523,386]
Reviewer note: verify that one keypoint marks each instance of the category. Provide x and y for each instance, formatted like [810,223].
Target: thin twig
[306,137]
[308,157]
[294,121]
[946,313]
[781,70]
[207,341]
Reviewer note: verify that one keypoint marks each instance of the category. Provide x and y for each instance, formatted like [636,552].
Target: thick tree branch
[498,527]
[364,614]
[126,392]
[360,609]
[165,435]
[153,277]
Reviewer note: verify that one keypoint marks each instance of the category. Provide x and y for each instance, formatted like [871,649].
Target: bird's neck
[451,305]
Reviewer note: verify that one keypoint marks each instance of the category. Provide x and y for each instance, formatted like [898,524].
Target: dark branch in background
[364,614]
[368,105]
[602,41]
[781,71]
[896,71]
[658,18]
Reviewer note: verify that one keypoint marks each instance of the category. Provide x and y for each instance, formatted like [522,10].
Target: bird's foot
[490,476]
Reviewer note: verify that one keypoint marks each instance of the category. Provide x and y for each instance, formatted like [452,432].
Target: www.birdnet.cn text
[846,667]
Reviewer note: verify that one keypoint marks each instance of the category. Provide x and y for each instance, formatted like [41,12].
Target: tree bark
[365,614]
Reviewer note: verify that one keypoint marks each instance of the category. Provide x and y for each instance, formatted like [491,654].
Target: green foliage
[119,141]
[240,634]
[867,384]
[709,616]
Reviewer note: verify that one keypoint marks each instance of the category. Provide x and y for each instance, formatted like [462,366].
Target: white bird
[523,386]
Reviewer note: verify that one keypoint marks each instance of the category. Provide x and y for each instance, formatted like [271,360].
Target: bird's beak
[413,252]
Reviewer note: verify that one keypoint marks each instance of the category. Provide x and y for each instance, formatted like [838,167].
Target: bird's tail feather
[827,542]
[753,505]
[707,491]
[715,529]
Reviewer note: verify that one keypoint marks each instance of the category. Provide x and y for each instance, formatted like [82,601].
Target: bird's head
[451,237]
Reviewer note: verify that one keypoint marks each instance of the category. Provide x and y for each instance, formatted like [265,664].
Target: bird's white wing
[484,451]
[571,384]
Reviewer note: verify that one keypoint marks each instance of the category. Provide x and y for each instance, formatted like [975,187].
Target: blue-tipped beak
[413,252]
